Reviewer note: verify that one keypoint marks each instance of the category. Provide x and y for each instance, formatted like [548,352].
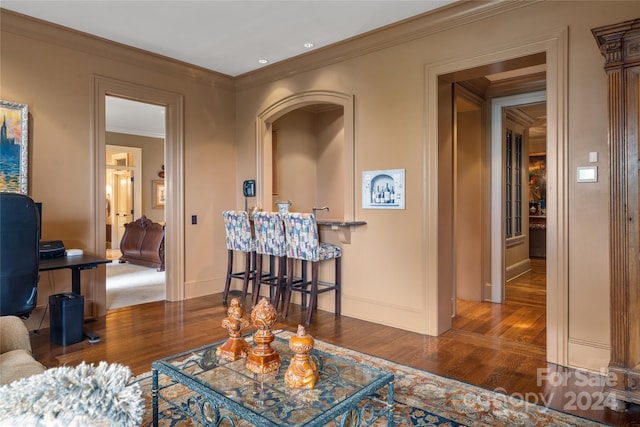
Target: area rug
[421,399]
[129,284]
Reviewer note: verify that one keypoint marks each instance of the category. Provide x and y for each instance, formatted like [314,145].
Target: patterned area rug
[421,399]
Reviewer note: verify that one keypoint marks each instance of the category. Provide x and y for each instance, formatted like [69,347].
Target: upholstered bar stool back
[302,242]
[239,239]
[270,241]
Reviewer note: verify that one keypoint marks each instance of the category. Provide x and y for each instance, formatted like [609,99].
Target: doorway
[513,313]
[510,193]
[132,128]
[438,189]
[173,104]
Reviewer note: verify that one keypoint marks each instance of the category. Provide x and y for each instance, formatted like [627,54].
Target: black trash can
[66,318]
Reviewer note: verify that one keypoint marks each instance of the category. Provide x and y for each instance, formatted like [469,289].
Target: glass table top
[343,384]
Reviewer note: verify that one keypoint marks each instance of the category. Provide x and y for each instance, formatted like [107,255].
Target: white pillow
[82,395]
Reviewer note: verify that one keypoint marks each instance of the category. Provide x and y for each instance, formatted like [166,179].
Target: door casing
[174,179]
[554,45]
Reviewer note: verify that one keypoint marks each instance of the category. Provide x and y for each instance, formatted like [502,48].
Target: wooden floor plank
[508,359]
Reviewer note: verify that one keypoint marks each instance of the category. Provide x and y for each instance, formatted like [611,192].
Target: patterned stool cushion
[301,233]
[329,251]
[238,231]
[269,233]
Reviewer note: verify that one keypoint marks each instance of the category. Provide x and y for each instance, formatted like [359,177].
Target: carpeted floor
[421,399]
[129,284]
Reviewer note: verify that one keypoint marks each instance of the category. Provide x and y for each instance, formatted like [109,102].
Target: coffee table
[348,392]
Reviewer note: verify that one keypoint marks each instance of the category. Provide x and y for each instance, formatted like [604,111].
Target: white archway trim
[555,45]
[174,180]
[497,211]
[264,142]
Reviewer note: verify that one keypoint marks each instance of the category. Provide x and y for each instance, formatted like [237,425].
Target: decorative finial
[262,358]
[236,346]
[302,371]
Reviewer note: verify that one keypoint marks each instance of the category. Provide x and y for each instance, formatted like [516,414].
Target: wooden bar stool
[239,238]
[270,241]
[301,235]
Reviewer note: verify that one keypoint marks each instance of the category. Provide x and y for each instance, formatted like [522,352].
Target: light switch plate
[593,157]
[587,174]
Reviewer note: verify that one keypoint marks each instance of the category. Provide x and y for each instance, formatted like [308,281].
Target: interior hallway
[519,323]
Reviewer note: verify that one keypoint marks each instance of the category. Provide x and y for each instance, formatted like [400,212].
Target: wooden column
[620,46]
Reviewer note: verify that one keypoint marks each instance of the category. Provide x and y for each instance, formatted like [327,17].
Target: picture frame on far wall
[158,194]
[14,150]
[537,184]
[383,189]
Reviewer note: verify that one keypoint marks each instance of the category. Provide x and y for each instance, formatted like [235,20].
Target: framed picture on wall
[537,183]
[383,189]
[158,193]
[14,152]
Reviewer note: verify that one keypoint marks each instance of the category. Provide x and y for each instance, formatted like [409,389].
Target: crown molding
[445,18]
[522,84]
[419,26]
[520,117]
[37,29]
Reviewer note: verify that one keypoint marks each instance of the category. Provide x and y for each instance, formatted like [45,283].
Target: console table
[225,391]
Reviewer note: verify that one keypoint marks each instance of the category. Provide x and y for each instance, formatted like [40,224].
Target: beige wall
[310,161]
[152,161]
[296,159]
[51,70]
[385,263]
[331,164]
[469,203]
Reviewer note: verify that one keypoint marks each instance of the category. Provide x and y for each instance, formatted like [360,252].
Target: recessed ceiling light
[309,45]
[262,61]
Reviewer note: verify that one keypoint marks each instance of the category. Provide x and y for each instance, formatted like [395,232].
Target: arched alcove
[264,144]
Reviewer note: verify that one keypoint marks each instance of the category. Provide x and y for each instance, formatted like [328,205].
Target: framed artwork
[537,183]
[14,153]
[158,194]
[383,189]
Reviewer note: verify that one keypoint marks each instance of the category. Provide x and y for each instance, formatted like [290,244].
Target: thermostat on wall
[587,174]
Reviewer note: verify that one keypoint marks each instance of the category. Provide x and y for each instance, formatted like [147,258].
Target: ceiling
[134,118]
[228,37]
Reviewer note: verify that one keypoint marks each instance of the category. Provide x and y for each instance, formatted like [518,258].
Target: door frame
[497,188]
[439,292]
[174,177]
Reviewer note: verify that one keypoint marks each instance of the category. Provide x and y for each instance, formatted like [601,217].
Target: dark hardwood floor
[495,346]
